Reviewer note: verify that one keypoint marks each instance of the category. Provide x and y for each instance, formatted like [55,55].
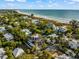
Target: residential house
[53,35]
[29,44]
[8,36]
[18,52]
[2,54]
[9,26]
[51,41]
[49,25]
[2,29]
[36,37]
[53,52]
[73,44]
[35,21]
[66,38]
[51,48]
[61,30]
[70,53]
[63,57]
[64,27]
[27,31]
[25,17]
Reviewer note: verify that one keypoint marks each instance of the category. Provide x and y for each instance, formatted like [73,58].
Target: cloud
[50,1]
[69,1]
[75,0]
[41,6]
[9,6]
[10,0]
[39,1]
[53,5]
[21,0]
[16,0]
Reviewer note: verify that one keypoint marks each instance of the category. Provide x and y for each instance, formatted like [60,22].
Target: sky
[39,4]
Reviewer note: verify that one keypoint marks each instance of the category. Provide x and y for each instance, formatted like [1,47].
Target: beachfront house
[8,36]
[63,57]
[55,27]
[25,17]
[27,31]
[64,27]
[2,29]
[2,54]
[18,52]
[73,44]
[60,31]
[35,21]
[51,26]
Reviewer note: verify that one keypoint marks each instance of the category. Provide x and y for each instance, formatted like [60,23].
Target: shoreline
[45,18]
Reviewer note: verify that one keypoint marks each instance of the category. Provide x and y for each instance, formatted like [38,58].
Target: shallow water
[64,15]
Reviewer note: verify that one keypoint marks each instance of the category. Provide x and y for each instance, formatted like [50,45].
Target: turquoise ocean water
[64,15]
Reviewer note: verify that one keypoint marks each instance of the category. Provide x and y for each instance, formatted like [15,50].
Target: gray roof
[2,54]
[8,36]
[17,52]
[2,29]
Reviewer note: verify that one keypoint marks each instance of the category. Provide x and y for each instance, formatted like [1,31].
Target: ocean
[61,15]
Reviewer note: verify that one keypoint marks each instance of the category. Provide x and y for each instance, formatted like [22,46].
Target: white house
[53,35]
[73,44]
[63,57]
[50,25]
[25,17]
[64,27]
[54,27]
[2,29]
[17,52]
[48,40]
[27,31]
[2,51]
[35,21]
[8,36]
[61,30]
[51,48]
[9,26]
[2,54]
[4,57]
[66,38]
